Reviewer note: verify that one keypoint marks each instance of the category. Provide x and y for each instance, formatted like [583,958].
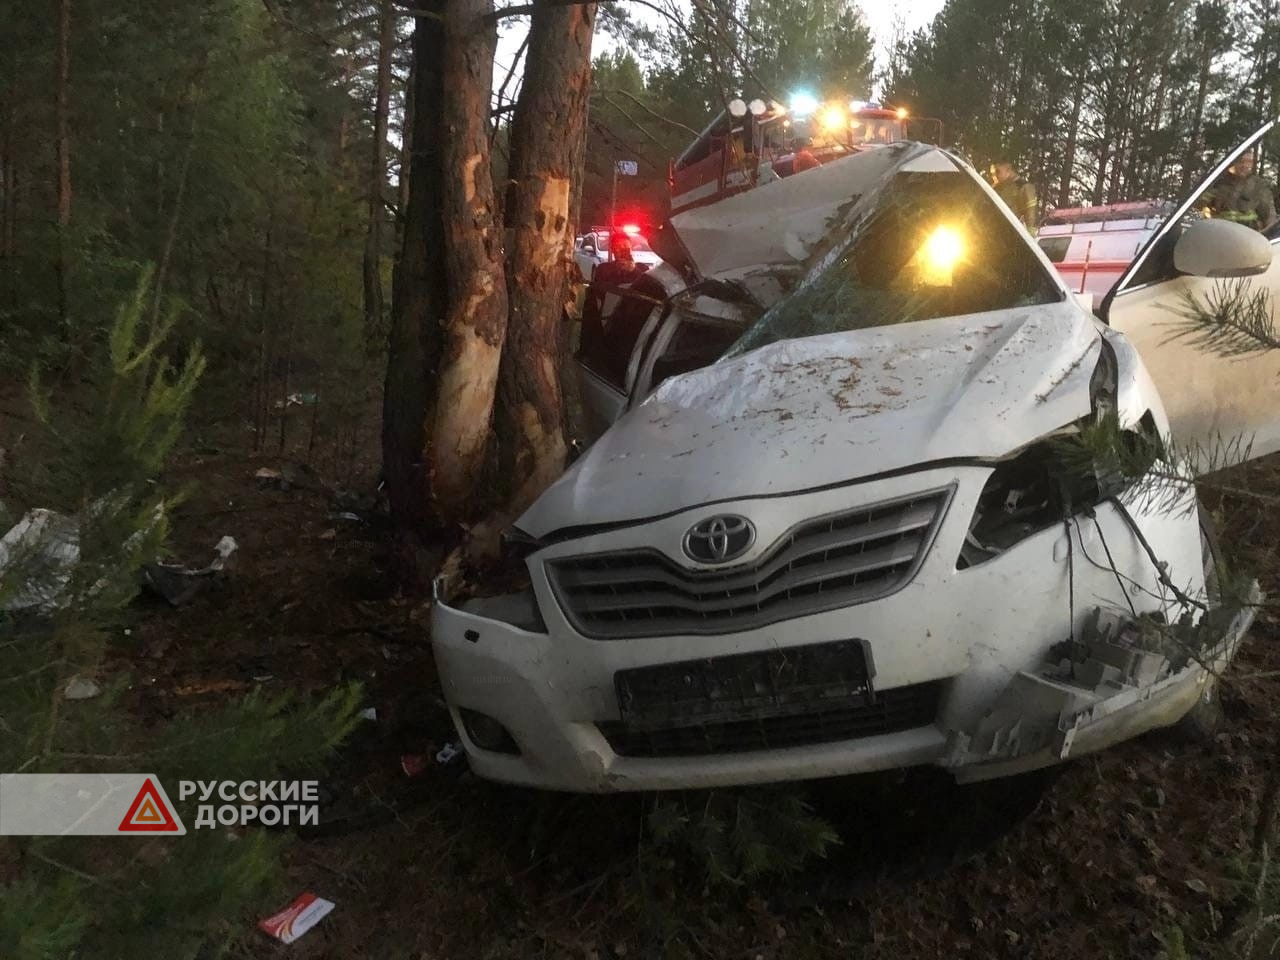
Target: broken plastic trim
[1043,485]
[515,544]
[518,609]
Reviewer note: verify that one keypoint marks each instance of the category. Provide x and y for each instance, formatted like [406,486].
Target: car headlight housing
[1066,473]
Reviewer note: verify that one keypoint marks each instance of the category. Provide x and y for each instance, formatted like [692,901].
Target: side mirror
[1220,248]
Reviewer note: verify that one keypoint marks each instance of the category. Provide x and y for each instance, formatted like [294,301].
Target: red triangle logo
[148,813]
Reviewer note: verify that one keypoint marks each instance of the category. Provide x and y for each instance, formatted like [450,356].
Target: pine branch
[1233,319]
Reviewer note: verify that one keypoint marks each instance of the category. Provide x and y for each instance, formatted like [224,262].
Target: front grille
[889,711]
[819,565]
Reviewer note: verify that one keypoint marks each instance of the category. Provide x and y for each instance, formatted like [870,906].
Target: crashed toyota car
[825,528]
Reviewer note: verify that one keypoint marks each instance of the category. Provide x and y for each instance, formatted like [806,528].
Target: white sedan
[833,523]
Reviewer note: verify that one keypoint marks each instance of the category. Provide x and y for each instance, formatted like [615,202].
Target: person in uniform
[1243,196]
[1018,195]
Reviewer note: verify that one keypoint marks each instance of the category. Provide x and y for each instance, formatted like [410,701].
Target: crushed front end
[856,632]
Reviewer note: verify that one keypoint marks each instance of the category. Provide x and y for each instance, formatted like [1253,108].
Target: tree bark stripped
[372,267]
[548,132]
[419,292]
[476,318]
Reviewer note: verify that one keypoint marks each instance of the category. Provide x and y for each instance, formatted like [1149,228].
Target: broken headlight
[1066,473]
[505,592]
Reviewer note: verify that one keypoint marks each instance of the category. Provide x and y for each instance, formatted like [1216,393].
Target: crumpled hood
[831,409]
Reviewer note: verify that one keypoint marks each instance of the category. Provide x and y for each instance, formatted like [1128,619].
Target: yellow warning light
[938,256]
[833,119]
[902,113]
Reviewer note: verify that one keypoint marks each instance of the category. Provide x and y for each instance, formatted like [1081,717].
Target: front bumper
[979,637]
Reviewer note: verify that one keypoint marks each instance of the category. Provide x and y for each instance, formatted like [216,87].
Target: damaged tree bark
[548,133]
[476,316]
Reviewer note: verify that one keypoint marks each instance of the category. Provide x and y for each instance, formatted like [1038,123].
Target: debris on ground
[80,688]
[47,544]
[179,584]
[307,399]
[448,754]
[297,918]
[291,476]
[267,477]
[413,764]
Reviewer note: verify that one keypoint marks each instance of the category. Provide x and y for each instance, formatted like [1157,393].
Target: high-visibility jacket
[1246,200]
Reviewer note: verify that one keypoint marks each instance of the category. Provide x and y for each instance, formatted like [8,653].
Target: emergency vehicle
[1092,246]
[752,144]
[596,247]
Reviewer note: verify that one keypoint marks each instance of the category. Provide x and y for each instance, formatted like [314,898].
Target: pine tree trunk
[8,206]
[476,318]
[378,174]
[63,148]
[419,293]
[547,136]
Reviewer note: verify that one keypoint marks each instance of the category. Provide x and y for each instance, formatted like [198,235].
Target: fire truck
[752,144]
[1092,246]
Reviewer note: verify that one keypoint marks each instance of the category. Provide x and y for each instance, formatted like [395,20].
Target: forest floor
[1095,862]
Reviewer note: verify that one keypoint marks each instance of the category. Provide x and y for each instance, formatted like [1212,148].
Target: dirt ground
[1094,862]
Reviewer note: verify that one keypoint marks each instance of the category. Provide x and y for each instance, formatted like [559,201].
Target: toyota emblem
[719,539]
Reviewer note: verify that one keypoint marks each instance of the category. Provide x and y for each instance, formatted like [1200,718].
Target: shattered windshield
[935,246]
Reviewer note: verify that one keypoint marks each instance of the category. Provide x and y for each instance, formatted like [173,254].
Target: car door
[615,329]
[1214,396]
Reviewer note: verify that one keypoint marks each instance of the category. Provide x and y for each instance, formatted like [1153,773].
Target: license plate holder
[742,686]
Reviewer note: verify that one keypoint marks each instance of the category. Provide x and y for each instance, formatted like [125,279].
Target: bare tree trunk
[1069,154]
[378,174]
[420,293]
[262,398]
[547,133]
[1191,164]
[62,109]
[476,319]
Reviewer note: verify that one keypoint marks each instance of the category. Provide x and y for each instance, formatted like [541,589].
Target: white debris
[43,548]
[79,688]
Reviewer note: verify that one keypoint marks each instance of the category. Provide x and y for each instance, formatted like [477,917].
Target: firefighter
[1018,195]
[805,160]
[1243,196]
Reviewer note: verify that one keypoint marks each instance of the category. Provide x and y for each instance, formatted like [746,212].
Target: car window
[695,344]
[607,342]
[936,245]
[1055,248]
